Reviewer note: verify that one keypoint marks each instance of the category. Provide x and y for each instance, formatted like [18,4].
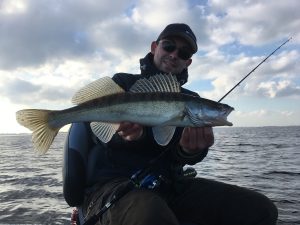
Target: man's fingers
[130,131]
[195,139]
[208,136]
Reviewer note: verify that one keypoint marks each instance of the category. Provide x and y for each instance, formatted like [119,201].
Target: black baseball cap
[181,30]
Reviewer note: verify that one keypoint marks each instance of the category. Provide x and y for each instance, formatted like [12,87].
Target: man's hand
[130,131]
[196,139]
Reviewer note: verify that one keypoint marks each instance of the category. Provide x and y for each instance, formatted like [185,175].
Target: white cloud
[157,13]
[265,117]
[52,30]
[287,113]
[48,50]
[277,77]
[254,23]
[13,7]
[281,88]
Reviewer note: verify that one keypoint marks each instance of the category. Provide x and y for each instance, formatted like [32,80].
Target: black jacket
[120,158]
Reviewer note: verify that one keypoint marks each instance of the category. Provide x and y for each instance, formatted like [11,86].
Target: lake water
[266,159]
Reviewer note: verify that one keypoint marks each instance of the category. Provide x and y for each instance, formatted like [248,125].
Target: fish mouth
[228,123]
[222,118]
[221,122]
[226,110]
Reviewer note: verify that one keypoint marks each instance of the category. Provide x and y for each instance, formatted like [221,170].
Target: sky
[49,49]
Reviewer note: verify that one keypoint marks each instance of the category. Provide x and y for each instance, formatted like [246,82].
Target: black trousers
[195,200]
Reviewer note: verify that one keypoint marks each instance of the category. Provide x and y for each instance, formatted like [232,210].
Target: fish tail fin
[37,121]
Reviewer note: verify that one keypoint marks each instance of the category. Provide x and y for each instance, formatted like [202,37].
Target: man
[133,148]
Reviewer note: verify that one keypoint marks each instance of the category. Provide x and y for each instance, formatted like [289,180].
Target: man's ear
[153,46]
[189,62]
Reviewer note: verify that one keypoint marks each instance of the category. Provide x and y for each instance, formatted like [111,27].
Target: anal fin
[163,134]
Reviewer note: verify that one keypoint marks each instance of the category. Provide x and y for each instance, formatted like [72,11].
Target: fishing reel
[148,181]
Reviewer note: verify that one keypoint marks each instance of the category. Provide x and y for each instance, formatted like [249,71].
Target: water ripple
[265,159]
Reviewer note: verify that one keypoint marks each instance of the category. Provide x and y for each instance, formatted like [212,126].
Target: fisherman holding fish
[195,200]
[135,167]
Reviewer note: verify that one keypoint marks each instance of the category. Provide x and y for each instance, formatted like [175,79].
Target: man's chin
[169,69]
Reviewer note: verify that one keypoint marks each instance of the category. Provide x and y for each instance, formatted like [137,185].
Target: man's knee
[269,211]
[143,207]
[262,210]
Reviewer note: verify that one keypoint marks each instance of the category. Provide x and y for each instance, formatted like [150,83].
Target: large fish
[155,102]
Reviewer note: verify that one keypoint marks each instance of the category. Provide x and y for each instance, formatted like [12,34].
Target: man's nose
[174,54]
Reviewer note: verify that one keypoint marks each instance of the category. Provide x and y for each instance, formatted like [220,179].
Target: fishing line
[254,69]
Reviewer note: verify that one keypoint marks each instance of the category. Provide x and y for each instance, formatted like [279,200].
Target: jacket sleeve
[184,158]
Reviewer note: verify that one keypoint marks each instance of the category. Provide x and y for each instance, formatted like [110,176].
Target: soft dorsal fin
[96,89]
[157,83]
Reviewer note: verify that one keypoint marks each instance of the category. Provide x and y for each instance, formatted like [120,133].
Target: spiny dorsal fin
[96,89]
[157,83]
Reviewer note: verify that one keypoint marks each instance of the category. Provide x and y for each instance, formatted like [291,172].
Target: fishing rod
[254,69]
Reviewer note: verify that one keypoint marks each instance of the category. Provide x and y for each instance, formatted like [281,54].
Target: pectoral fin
[163,135]
[104,131]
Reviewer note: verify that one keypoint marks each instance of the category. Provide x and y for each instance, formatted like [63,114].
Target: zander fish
[155,102]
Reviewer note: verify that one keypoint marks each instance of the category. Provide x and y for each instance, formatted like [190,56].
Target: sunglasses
[183,52]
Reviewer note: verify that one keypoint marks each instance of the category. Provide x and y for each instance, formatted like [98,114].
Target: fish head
[209,113]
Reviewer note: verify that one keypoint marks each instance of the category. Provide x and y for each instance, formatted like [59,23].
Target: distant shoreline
[222,127]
